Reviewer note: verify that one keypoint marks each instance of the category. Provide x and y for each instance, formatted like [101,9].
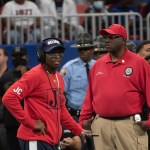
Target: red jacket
[42,101]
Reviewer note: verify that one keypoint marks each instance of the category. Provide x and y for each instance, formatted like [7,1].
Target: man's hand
[39,127]
[143,125]
[73,143]
[67,142]
[85,133]
[87,123]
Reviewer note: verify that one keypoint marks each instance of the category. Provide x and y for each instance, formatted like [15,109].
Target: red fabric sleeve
[12,103]
[15,94]
[69,123]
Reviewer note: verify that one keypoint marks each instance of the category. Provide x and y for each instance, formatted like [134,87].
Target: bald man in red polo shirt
[119,84]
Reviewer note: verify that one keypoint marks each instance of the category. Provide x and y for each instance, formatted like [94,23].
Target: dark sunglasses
[60,54]
[110,36]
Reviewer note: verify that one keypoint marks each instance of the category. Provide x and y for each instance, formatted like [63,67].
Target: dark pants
[3,138]
[37,145]
[12,138]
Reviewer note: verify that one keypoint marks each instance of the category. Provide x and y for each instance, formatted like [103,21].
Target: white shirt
[27,9]
[48,7]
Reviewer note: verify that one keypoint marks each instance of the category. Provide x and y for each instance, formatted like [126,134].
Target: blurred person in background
[3,63]
[19,60]
[131,46]
[3,70]
[58,9]
[82,2]
[147,58]
[143,48]
[23,27]
[97,6]
[127,6]
[100,48]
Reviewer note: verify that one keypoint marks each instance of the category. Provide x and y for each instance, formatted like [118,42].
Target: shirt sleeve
[145,84]
[69,123]
[18,91]
[6,10]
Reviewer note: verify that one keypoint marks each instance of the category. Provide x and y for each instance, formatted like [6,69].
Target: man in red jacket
[44,111]
[118,86]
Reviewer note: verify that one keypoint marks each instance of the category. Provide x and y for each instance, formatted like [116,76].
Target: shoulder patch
[63,71]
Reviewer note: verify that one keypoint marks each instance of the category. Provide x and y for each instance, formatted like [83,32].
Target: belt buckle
[137,118]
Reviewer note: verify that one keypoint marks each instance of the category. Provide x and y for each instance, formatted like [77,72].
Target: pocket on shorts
[142,143]
[138,131]
[141,137]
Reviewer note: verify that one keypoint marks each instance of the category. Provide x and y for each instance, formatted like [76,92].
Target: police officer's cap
[84,41]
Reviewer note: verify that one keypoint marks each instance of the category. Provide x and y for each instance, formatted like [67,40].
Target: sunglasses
[110,36]
[54,55]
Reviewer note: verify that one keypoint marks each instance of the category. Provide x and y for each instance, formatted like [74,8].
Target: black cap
[50,44]
[18,50]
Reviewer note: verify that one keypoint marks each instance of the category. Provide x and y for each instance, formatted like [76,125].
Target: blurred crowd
[141,6]
[59,8]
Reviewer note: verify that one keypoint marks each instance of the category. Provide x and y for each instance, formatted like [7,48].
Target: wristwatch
[137,118]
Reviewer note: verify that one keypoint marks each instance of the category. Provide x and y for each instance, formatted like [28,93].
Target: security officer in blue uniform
[75,74]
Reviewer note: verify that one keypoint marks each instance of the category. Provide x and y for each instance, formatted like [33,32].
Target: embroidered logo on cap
[52,42]
[128,71]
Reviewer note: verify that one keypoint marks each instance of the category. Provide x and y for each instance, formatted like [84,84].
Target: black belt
[122,118]
[73,112]
[117,118]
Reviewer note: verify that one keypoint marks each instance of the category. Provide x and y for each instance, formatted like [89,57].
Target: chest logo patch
[128,71]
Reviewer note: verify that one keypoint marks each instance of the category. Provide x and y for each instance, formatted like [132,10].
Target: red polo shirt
[117,89]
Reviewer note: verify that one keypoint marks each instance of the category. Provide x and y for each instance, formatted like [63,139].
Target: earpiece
[40,53]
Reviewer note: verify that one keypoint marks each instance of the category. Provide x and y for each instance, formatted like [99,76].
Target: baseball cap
[51,44]
[115,29]
[19,50]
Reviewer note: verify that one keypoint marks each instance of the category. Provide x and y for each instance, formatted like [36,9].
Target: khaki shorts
[118,134]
